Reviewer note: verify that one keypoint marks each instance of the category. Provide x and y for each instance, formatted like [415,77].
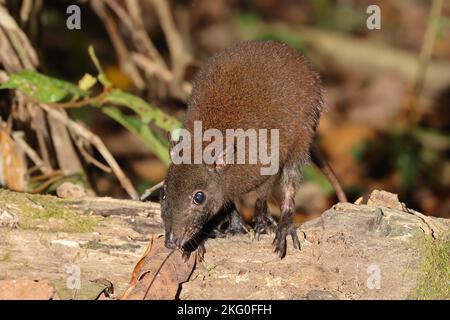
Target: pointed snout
[172,242]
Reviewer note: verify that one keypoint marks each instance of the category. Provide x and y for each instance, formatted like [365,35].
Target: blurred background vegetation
[387,91]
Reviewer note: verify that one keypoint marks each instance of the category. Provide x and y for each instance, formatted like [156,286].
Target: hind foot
[232,225]
[237,224]
[280,239]
[262,220]
[263,224]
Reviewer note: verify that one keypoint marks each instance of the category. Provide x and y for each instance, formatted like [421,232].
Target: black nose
[171,242]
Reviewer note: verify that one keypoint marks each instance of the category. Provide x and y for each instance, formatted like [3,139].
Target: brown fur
[258,85]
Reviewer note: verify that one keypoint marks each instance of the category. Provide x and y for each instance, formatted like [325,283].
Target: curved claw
[201,252]
[280,239]
[237,224]
[264,224]
[186,255]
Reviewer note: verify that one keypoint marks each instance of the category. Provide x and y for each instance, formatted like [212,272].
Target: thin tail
[319,160]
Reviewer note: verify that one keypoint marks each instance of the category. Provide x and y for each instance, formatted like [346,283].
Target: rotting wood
[338,251]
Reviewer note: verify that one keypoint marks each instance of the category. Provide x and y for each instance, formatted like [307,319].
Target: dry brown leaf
[169,268]
[137,269]
[13,162]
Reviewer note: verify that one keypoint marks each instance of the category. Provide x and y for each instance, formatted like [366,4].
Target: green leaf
[142,130]
[146,112]
[130,123]
[87,82]
[42,88]
[49,90]
[101,74]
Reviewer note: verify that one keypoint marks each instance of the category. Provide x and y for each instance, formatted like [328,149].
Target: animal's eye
[199,198]
[162,193]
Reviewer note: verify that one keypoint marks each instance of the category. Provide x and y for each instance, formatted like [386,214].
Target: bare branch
[18,138]
[118,43]
[95,141]
[180,58]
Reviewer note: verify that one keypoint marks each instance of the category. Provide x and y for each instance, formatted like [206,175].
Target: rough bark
[343,251]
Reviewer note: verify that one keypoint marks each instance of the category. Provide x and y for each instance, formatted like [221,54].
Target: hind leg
[232,223]
[236,224]
[262,221]
[290,179]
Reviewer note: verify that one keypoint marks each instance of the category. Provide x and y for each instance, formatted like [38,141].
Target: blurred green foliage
[416,153]
[337,16]
[252,27]
[313,173]
[443,25]
[42,88]
[146,122]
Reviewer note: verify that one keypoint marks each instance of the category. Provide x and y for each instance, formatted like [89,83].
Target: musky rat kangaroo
[251,85]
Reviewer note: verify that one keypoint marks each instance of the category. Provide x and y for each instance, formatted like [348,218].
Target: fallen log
[378,250]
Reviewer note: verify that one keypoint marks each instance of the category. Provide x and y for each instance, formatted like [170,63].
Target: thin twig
[424,59]
[18,137]
[48,183]
[38,124]
[43,177]
[98,143]
[147,193]
[118,43]
[140,37]
[90,159]
[18,40]
[25,10]
[179,57]
[147,58]
[84,102]
[162,73]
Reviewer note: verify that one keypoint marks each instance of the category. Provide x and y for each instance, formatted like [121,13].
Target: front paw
[280,239]
[201,250]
